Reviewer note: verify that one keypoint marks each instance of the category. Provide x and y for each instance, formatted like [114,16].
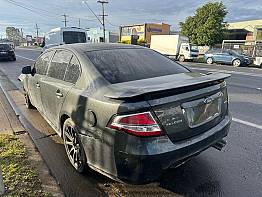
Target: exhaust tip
[220,145]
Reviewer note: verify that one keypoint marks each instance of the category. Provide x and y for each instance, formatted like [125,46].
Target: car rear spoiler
[128,90]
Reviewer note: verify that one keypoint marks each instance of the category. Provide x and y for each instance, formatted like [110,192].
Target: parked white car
[258,61]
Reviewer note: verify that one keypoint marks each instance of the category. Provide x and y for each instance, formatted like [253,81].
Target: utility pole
[79,22]
[22,33]
[103,16]
[65,19]
[37,32]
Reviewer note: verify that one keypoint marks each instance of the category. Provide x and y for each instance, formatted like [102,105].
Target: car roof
[84,47]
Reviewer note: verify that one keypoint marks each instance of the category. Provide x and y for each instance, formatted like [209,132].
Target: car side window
[42,63]
[73,71]
[184,47]
[59,64]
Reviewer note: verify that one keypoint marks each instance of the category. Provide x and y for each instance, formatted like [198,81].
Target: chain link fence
[249,48]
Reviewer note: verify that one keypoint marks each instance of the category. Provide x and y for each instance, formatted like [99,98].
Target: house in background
[245,30]
[141,33]
[96,35]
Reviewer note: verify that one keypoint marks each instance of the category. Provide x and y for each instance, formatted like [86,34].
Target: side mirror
[27,70]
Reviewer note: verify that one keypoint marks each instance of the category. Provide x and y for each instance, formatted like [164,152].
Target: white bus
[64,35]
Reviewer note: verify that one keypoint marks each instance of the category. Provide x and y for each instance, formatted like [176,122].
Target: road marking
[226,71]
[25,58]
[247,123]
[21,48]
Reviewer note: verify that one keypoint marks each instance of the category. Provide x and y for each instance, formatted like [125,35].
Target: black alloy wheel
[73,146]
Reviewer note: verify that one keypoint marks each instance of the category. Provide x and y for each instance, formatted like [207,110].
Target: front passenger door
[34,82]
[54,89]
[227,57]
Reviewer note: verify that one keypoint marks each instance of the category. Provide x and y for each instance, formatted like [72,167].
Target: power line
[103,16]
[111,23]
[85,2]
[35,8]
[42,12]
[27,8]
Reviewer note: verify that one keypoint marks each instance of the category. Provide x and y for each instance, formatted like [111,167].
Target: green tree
[207,26]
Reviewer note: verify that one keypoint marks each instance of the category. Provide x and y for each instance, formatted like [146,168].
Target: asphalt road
[236,171]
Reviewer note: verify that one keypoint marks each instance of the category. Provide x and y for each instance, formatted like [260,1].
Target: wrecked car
[127,111]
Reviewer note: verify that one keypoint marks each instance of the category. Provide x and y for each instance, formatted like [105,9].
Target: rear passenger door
[54,89]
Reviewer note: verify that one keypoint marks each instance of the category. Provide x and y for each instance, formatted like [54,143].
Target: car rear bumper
[163,154]
[6,56]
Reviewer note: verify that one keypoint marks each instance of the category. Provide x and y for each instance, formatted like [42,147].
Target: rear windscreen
[5,47]
[122,65]
[71,37]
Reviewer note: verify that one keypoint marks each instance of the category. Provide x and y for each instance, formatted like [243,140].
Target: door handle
[37,85]
[59,94]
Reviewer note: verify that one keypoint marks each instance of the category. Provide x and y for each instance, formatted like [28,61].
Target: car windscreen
[122,65]
[194,48]
[5,47]
[71,37]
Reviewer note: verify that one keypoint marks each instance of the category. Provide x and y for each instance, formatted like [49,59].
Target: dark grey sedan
[7,52]
[125,111]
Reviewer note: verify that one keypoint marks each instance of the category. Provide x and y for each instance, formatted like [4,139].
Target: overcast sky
[47,13]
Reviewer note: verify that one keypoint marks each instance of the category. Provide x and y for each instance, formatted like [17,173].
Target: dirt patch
[116,189]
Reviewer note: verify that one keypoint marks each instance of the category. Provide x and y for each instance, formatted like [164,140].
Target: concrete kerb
[2,186]
[48,181]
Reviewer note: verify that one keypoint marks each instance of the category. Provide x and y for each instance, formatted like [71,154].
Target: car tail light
[142,124]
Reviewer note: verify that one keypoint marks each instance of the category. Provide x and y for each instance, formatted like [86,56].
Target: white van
[174,46]
[64,35]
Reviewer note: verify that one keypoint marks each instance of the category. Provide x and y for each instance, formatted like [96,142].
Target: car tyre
[236,63]
[12,59]
[73,146]
[209,60]
[181,58]
[28,103]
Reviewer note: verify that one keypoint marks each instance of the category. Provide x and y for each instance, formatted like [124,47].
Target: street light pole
[103,17]
[65,19]
[37,32]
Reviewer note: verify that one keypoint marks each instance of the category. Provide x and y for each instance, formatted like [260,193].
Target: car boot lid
[152,85]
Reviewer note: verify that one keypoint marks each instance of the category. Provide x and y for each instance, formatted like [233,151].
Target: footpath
[24,173]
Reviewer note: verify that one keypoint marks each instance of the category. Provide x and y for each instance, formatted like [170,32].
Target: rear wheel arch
[74,141]
[63,118]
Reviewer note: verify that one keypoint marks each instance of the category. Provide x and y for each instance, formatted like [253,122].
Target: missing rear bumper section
[146,168]
[136,167]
